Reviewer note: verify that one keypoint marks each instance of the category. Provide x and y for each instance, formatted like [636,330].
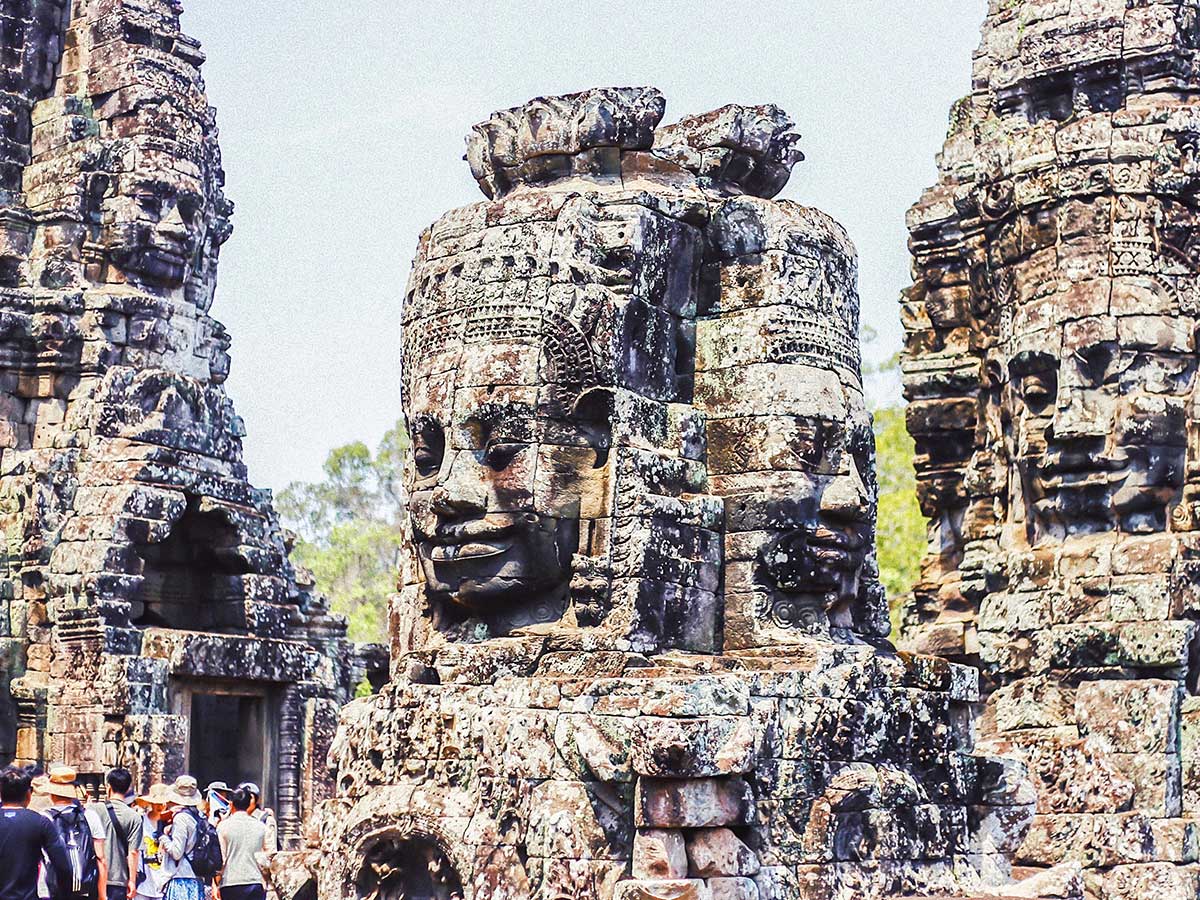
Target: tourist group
[174,842]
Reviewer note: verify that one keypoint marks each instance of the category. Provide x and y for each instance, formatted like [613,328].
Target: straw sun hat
[185,792]
[158,795]
[60,782]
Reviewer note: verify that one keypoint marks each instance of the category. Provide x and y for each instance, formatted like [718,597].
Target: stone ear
[593,411]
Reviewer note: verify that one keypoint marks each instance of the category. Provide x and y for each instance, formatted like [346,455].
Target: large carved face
[1099,422]
[154,223]
[817,561]
[496,489]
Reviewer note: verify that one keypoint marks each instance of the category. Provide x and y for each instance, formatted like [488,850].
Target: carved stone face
[495,490]
[154,225]
[817,563]
[1099,428]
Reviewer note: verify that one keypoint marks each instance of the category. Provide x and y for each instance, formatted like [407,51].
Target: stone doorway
[408,868]
[231,732]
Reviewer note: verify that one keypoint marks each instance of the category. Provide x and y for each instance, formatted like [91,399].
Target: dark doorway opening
[229,734]
[8,719]
[411,868]
[190,580]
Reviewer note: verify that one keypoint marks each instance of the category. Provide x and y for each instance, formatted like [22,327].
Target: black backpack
[205,855]
[81,851]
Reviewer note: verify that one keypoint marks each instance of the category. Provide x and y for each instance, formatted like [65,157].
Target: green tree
[349,529]
[901,527]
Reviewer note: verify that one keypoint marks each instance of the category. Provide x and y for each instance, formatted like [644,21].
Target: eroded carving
[640,647]
[1051,365]
[140,564]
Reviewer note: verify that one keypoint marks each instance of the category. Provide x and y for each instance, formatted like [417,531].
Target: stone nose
[172,224]
[1078,414]
[463,491]
[845,498]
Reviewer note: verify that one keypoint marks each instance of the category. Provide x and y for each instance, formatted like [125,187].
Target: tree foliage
[349,529]
[901,527]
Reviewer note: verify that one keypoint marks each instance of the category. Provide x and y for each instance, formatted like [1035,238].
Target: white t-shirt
[95,826]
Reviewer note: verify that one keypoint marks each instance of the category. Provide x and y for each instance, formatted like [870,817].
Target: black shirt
[23,837]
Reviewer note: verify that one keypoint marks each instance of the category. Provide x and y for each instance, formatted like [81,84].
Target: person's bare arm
[135,858]
[225,861]
[101,862]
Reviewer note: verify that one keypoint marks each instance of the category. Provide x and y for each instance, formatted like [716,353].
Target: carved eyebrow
[156,186]
[422,423]
[1029,361]
[489,415]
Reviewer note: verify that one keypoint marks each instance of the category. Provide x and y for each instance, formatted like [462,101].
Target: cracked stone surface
[137,558]
[640,649]
[1051,366]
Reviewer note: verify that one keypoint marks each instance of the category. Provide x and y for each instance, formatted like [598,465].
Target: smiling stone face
[1099,430]
[153,227]
[495,489]
[632,385]
[817,564]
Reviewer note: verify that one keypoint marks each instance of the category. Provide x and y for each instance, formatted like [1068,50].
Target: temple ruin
[149,616]
[640,648]
[1051,364]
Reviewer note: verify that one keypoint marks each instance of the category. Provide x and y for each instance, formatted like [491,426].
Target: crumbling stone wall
[136,555]
[1051,365]
[640,646]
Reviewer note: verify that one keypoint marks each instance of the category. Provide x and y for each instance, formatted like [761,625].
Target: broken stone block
[733,889]
[718,851]
[698,803]
[659,854]
[686,889]
[1130,716]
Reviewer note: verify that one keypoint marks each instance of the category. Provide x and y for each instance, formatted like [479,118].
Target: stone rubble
[137,557]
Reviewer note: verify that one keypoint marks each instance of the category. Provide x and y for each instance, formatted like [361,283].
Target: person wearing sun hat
[82,831]
[217,796]
[179,840]
[152,876]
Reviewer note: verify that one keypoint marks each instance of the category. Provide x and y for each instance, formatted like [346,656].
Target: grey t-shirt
[116,851]
[241,837]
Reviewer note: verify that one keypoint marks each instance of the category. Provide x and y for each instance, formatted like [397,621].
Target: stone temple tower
[149,616]
[640,646]
[1051,364]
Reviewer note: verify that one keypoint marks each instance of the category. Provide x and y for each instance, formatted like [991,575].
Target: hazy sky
[342,125]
